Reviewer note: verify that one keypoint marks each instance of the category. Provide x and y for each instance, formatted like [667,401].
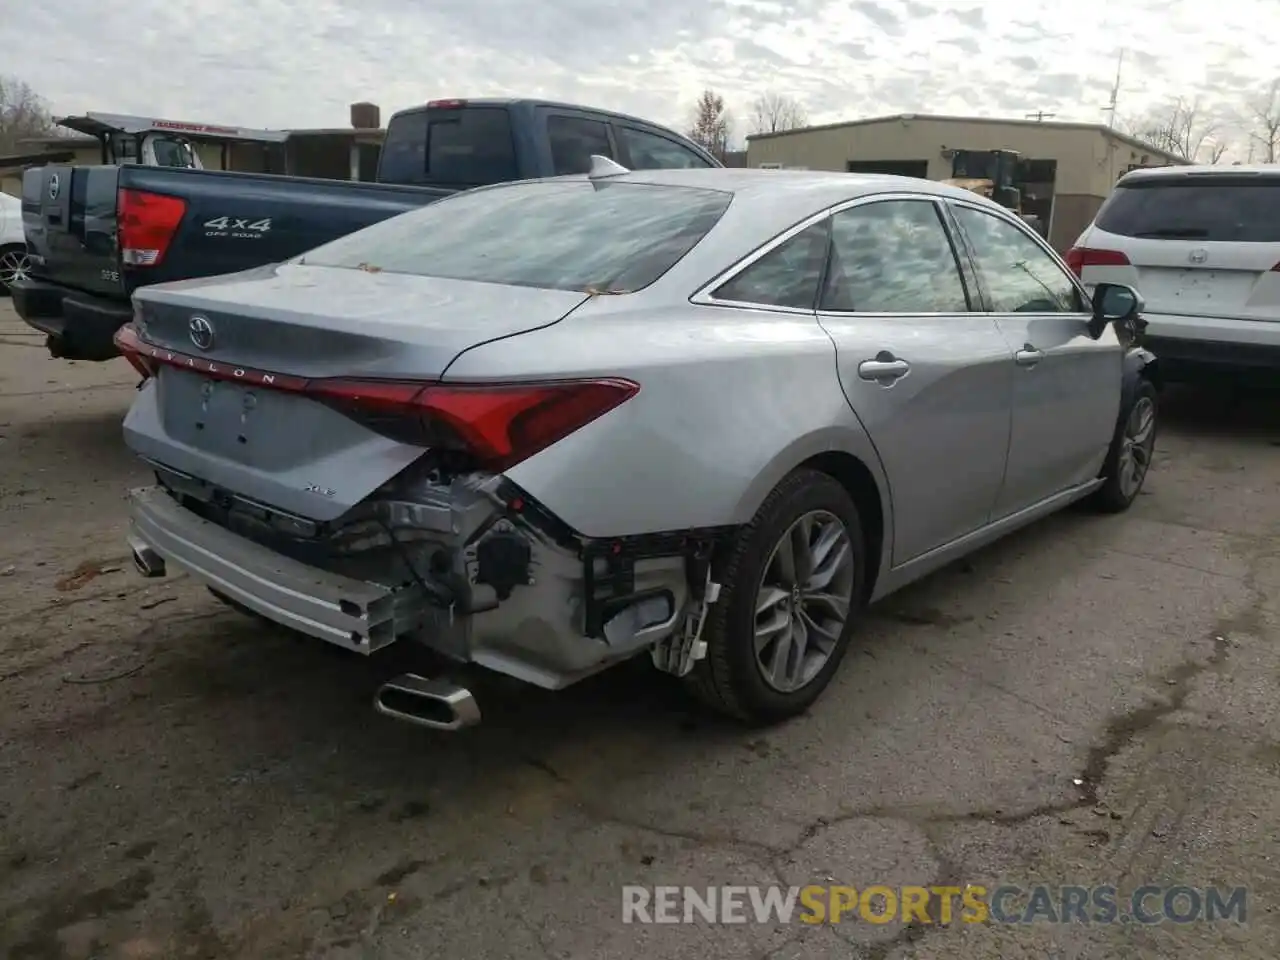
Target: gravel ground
[1093,701]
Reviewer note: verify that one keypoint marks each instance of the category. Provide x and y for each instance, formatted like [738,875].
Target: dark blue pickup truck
[97,233]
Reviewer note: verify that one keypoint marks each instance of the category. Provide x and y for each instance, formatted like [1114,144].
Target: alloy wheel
[804,600]
[1136,446]
[14,266]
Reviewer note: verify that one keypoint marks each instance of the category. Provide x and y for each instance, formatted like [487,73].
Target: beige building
[1066,170]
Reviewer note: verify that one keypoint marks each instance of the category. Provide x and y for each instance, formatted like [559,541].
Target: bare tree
[773,112]
[1180,128]
[1216,149]
[1264,118]
[23,113]
[711,124]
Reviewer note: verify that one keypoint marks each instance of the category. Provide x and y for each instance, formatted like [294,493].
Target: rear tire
[1132,448]
[775,637]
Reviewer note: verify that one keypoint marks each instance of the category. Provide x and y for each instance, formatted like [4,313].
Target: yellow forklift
[991,174]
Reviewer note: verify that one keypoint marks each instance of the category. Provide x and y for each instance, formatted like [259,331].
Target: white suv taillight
[1080,257]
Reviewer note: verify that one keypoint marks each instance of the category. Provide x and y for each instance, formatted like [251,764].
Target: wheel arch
[1139,364]
[848,457]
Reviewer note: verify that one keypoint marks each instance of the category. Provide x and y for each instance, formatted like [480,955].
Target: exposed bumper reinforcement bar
[354,614]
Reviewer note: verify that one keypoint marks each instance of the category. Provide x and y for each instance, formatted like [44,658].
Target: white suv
[1202,246]
[13,248]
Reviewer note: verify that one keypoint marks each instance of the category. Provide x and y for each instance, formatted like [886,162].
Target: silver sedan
[702,415]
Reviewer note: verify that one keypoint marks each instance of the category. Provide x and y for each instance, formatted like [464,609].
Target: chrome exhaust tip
[435,704]
[146,560]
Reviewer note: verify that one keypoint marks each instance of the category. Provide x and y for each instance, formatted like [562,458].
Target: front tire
[1132,449]
[792,586]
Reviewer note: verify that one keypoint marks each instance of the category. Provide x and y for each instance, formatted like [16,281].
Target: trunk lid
[279,326]
[69,218]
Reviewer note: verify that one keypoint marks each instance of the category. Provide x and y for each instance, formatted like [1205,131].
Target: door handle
[885,368]
[1028,356]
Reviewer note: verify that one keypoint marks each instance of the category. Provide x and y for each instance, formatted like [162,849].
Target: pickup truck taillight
[1080,257]
[147,224]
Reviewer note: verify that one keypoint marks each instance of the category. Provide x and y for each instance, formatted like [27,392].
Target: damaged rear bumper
[540,630]
[352,613]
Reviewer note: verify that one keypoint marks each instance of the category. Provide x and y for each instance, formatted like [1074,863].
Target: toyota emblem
[201,332]
[54,186]
[1198,256]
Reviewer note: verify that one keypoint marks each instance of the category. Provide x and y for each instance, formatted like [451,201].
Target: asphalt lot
[1093,701]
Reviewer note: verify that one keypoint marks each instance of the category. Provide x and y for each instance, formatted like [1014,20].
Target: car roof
[1150,174]
[766,203]
[763,204]
[822,187]
[771,200]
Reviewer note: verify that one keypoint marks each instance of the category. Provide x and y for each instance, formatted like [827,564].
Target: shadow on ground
[1223,410]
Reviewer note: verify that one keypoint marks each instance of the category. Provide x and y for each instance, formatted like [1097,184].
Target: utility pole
[1115,93]
[1040,116]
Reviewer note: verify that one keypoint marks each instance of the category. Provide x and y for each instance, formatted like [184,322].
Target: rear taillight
[1080,257]
[147,224]
[499,424]
[130,346]
[446,104]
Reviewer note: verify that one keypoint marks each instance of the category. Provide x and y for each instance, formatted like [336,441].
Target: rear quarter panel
[730,402]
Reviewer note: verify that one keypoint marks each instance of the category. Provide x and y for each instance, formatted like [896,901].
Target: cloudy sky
[297,63]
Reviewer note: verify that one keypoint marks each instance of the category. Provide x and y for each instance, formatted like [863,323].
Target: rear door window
[649,151]
[892,256]
[450,147]
[1224,208]
[574,140]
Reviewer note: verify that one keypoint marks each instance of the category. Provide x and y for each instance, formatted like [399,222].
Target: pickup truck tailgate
[69,218]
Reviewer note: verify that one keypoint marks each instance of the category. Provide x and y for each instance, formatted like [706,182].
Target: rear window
[1224,208]
[467,147]
[605,237]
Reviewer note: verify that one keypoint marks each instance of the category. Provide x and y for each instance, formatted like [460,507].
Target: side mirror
[1115,303]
